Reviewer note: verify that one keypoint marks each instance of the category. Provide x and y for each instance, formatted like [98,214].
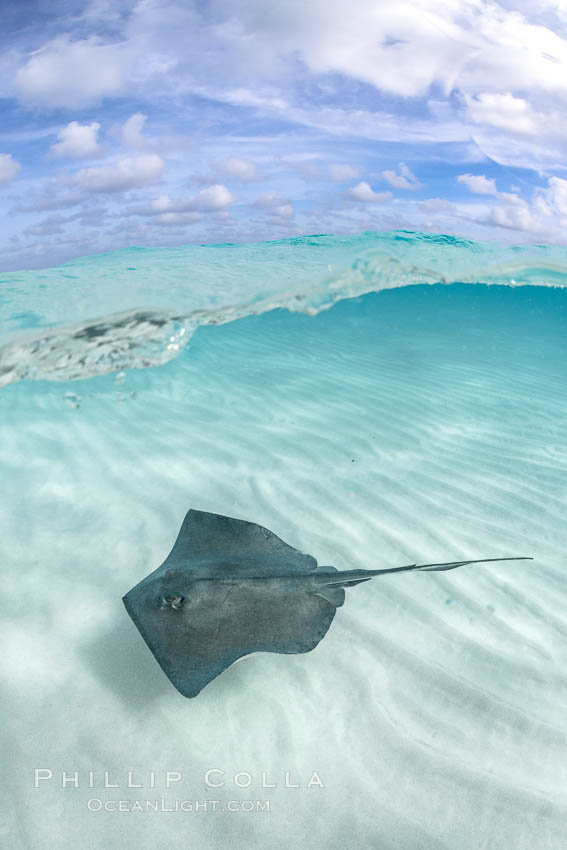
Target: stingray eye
[174,602]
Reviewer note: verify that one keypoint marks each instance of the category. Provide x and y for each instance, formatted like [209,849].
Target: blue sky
[164,123]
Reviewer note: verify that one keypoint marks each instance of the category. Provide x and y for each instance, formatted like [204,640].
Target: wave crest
[205,285]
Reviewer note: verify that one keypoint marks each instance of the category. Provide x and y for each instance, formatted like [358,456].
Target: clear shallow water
[140,306]
[417,424]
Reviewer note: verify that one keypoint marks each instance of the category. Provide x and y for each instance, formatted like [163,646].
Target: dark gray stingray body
[229,588]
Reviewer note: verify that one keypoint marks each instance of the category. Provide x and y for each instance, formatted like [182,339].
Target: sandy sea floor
[423,424]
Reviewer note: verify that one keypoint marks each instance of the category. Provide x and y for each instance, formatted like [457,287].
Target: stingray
[229,588]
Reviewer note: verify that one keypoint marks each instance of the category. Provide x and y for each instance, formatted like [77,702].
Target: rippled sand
[411,425]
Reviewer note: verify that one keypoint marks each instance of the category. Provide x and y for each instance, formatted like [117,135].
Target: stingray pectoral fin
[188,651]
[332,593]
[207,539]
[219,622]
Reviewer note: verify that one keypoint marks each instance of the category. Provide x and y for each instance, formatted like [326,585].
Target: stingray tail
[349,578]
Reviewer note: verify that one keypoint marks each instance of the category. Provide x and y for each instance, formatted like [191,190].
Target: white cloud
[48,227]
[216,197]
[77,140]
[9,167]
[277,88]
[126,173]
[517,53]
[435,205]
[50,197]
[74,74]
[247,97]
[545,214]
[516,214]
[504,111]
[162,203]
[407,47]
[556,194]
[379,44]
[240,168]
[211,199]
[178,219]
[269,200]
[364,193]
[478,183]
[131,131]
[496,59]
[404,179]
[275,204]
[342,173]
[283,210]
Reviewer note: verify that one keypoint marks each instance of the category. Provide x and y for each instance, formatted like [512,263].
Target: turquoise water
[422,423]
[140,306]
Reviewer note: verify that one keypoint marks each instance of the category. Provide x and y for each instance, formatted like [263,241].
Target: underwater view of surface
[375,401]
